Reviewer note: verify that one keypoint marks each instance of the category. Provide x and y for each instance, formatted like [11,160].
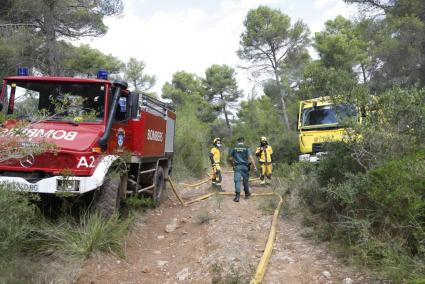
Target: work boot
[247,195]
[237,197]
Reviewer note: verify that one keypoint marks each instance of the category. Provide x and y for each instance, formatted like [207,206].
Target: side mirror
[297,122]
[134,105]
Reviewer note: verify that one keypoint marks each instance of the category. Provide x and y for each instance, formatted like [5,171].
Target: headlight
[68,185]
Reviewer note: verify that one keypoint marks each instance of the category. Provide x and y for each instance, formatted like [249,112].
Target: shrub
[18,219]
[337,164]
[392,128]
[379,215]
[396,194]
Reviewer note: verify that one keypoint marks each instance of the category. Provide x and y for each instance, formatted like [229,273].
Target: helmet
[263,139]
[216,140]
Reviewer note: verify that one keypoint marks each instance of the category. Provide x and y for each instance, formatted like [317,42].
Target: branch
[373,3]
[18,25]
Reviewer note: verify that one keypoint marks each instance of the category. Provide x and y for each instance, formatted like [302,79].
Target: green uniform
[240,155]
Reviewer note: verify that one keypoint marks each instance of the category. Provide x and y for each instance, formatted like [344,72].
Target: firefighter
[215,157]
[241,158]
[265,155]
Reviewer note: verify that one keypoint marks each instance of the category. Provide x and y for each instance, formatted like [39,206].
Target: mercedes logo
[27,161]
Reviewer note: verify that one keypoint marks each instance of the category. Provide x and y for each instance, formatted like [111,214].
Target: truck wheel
[107,197]
[159,181]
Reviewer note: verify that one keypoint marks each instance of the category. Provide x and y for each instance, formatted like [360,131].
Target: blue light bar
[22,71]
[102,74]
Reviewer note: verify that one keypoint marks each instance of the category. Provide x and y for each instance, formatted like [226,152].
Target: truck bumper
[61,184]
[312,158]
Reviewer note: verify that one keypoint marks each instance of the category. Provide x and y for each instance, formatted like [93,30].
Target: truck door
[120,139]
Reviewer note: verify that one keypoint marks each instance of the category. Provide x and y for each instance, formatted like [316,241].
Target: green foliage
[376,218]
[258,118]
[18,219]
[222,89]
[183,86]
[135,74]
[398,42]
[18,49]
[140,202]
[319,81]
[52,20]
[380,215]
[190,144]
[396,191]
[86,61]
[341,45]
[270,30]
[370,196]
[271,44]
[186,88]
[392,128]
[338,164]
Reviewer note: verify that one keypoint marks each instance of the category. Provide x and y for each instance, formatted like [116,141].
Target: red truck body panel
[144,136]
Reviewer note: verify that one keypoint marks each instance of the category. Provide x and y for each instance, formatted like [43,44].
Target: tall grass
[27,238]
[91,234]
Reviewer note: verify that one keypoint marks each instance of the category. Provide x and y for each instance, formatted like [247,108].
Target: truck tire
[107,198]
[159,182]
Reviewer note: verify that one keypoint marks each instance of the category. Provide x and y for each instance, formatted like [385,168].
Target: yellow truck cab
[319,121]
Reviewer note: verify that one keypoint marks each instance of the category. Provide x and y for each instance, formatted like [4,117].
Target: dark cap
[241,139]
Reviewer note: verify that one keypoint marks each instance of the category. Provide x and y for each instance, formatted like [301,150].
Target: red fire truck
[106,141]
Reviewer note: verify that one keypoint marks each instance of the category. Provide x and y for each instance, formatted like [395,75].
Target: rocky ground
[215,241]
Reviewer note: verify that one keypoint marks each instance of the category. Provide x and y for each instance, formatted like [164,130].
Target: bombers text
[155,135]
[40,133]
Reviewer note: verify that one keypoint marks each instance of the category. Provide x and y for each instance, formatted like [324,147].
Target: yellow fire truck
[320,120]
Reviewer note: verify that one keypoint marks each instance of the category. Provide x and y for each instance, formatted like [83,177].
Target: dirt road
[214,241]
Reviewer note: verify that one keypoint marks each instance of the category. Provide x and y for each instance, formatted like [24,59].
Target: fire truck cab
[101,139]
[320,120]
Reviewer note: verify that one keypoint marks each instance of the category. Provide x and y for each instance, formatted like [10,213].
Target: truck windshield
[61,101]
[328,115]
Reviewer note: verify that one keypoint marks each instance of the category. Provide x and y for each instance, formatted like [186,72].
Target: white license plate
[17,186]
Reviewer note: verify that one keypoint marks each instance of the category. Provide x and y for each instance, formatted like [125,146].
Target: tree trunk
[282,99]
[50,33]
[225,113]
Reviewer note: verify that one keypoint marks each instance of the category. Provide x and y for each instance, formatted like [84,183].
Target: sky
[189,35]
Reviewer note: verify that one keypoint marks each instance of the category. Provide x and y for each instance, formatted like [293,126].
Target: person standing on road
[215,157]
[265,155]
[241,158]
